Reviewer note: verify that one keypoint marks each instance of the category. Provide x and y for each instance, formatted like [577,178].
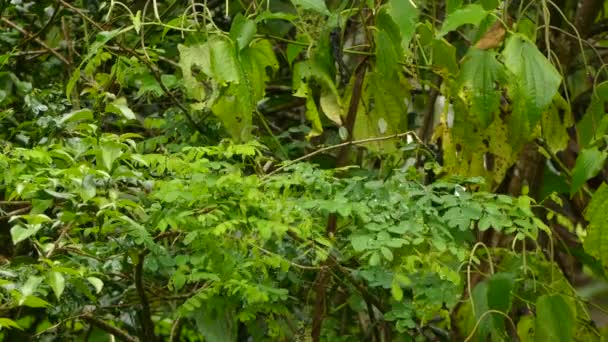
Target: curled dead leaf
[493,37]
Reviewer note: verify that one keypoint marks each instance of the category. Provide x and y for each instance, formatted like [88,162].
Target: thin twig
[14,202]
[36,39]
[121,334]
[15,213]
[333,147]
[176,330]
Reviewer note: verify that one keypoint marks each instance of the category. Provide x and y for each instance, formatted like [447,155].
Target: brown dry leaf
[492,38]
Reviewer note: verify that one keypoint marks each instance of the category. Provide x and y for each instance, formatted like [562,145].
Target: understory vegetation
[303,170]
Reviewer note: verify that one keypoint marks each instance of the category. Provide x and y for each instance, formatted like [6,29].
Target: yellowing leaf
[554,128]
[331,105]
[121,107]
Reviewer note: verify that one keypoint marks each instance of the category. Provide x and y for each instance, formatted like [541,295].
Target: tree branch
[36,39]
[121,334]
[145,316]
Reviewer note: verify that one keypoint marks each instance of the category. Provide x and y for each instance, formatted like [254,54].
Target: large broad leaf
[406,17]
[224,62]
[469,14]
[191,57]
[381,111]
[596,241]
[479,77]
[554,319]
[588,164]
[256,60]
[500,296]
[238,76]
[480,307]
[533,84]
[444,56]
[242,31]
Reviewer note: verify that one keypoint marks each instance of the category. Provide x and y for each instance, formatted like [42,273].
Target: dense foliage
[295,170]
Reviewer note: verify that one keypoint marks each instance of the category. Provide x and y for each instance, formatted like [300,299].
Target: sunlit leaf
[56,281]
[96,282]
[121,107]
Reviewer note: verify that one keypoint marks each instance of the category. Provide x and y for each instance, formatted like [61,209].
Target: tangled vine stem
[348,143]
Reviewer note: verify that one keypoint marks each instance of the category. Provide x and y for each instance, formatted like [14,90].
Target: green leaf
[374,260]
[480,306]
[386,253]
[31,285]
[405,15]
[554,129]
[533,84]
[57,282]
[237,103]
[360,242]
[500,288]
[588,164]
[34,302]
[396,290]
[480,75]
[121,107]
[89,188]
[19,233]
[96,282]
[444,56]
[224,63]
[555,320]
[189,58]
[9,323]
[469,14]
[452,5]
[525,328]
[77,115]
[72,83]
[108,152]
[489,5]
[313,5]
[596,213]
[594,123]
[242,31]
